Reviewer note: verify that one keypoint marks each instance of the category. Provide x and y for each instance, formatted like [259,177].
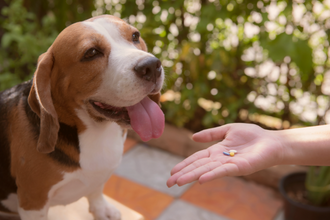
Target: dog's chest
[101,150]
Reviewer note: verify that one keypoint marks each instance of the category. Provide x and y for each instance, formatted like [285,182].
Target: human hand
[257,149]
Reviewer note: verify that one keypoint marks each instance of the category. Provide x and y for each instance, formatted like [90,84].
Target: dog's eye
[136,37]
[91,54]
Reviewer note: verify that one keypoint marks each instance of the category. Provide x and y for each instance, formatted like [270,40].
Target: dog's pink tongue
[147,119]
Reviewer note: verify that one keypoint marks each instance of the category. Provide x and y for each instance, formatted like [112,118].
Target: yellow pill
[231,154]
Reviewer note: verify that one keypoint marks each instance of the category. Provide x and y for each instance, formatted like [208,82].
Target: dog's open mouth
[145,117]
[115,113]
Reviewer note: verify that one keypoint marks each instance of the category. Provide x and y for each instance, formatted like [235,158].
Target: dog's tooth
[99,104]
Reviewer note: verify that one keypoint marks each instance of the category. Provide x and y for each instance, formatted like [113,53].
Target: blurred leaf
[280,47]
[287,45]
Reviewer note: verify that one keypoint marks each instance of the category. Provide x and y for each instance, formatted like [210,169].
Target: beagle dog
[62,133]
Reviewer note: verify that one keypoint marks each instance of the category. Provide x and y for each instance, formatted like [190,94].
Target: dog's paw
[104,211]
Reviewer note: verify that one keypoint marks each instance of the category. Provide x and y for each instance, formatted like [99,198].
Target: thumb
[212,134]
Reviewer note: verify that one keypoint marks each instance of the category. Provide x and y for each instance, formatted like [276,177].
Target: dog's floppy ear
[155,98]
[40,101]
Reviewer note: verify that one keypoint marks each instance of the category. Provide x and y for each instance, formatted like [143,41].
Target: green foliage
[22,43]
[300,51]
[27,34]
[318,185]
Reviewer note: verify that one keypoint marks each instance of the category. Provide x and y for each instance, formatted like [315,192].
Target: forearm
[305,146]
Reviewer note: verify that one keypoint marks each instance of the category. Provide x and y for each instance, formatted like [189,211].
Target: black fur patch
[69,135]
[8,99]
[66,135]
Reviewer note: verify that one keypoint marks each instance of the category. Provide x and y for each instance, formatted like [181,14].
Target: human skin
[257,149]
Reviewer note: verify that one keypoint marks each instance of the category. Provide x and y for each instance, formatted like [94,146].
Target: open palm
[256,149]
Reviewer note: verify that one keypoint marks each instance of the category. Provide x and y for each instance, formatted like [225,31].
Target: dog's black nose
[149,69]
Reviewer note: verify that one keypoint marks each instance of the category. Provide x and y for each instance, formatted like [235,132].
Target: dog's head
[100,66]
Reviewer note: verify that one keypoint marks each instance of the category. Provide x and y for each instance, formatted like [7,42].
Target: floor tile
[148,202]
[150,167]
[129,144]
[181,210]
[235,198]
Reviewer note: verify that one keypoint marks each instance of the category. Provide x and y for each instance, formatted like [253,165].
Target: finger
[228,169]
[193,166]
[212,134]
[197,173]
[172,180]
[196,156]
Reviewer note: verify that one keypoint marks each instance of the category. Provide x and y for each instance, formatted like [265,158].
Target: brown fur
[60,84]
[34,172]
[126,30]
[41,103]
[71,76]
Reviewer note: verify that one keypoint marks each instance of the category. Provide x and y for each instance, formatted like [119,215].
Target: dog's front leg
[100,208]
[32,203]
[33,214]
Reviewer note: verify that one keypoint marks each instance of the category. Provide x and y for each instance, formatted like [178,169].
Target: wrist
[283,148]
[305,146]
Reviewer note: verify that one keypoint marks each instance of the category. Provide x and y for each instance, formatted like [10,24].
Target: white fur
[101,148]
[100,208]
[120,74]
[11,202]
[33,214]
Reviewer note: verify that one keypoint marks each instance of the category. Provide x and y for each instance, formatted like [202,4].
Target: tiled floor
[140,183]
